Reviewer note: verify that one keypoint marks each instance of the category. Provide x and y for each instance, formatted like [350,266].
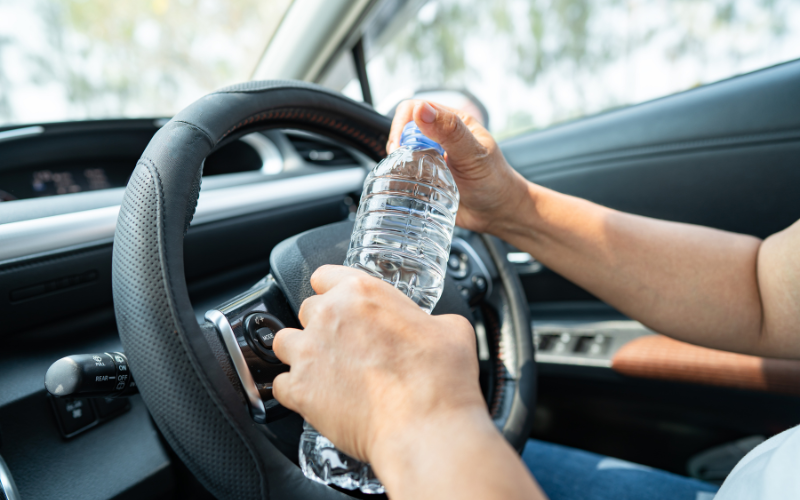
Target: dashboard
[61,186]
[25,176]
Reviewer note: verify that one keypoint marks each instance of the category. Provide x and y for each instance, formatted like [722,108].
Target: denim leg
[570,474]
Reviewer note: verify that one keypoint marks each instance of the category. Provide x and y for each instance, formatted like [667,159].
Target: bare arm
[713,288]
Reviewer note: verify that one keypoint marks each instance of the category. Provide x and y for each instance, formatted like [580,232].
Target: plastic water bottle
[402,235]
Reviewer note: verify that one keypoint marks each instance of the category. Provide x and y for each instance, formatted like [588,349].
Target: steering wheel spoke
[247,325]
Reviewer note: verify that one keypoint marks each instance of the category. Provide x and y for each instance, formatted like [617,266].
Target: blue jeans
[569,474]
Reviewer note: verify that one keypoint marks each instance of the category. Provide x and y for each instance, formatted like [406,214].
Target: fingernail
[427,113]
[392,146]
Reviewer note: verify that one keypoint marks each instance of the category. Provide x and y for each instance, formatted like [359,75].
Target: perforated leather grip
[188,394]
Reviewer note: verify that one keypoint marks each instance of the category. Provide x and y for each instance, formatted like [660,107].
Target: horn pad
[294,260]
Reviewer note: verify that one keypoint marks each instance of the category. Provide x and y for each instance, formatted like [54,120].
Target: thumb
[447,128]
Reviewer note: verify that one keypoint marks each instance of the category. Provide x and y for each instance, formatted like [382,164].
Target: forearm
[690,282]
[461,456]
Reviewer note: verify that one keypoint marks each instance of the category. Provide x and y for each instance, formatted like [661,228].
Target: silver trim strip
[572,360]
[524,262]
[519,257]
[7,485]
[47,234]
[271,159]
[257,410]
[19,133]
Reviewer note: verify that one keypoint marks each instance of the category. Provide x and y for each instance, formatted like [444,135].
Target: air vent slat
[320,152]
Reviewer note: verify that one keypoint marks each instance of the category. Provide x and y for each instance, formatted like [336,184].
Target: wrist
[402,455]
[519,214]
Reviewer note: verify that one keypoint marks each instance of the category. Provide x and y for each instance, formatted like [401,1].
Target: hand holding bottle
[491,191]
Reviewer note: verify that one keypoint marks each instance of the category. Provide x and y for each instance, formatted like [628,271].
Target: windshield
[89,59]
[535,63]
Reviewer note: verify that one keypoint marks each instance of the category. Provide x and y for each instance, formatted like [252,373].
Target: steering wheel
[208,387]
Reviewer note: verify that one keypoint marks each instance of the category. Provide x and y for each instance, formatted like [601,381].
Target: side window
[535,63]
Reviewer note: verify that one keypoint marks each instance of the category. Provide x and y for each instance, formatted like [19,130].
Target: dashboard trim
[19,133]
[271,159]
[93,227]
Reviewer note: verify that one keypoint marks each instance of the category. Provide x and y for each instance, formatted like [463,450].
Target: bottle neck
[419,146]
[413,138]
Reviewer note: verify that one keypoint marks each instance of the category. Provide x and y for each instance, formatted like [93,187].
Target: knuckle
[306,350]
[463,333]
[460,323]
[451,123]
[361,283]
[277,342]
[321,271]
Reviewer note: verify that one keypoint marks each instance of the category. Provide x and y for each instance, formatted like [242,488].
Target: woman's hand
[371,365]
[491,191]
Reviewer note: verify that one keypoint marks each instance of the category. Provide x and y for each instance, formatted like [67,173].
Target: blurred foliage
[144,57]
[571,38]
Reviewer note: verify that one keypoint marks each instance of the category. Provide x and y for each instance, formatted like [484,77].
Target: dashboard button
[480,283]
[458,265]
[74,414]
[260,329]
[265,336]
[453,262]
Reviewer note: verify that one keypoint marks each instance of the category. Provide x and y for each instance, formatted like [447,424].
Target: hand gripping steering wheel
[208,386]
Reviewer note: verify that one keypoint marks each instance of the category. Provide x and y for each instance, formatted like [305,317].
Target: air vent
[251,153]
[318,152]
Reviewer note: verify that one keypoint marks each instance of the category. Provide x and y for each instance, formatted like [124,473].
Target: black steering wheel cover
[202,416]
[517,354]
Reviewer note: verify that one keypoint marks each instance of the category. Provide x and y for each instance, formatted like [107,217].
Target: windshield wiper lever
[101,375]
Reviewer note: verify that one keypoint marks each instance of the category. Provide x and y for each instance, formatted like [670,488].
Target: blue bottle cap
[412,136]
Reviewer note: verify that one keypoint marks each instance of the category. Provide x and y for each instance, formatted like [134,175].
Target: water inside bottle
[402,235]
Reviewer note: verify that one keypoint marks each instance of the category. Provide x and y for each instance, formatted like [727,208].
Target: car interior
[237,197]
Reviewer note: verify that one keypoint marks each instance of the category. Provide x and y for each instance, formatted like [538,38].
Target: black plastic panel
[93,155]
[755,108]
[121,455]
[750,190]
[210,249]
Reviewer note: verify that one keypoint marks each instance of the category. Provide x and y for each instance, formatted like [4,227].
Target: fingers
[402,115]
[307,309]
[326,277]
[459,134]
[448,128]
[281,390]
[285,344]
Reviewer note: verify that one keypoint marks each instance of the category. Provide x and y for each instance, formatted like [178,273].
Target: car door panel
[726,155]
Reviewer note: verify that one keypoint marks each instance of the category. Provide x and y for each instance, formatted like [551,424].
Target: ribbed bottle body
[405,222]
[402,235]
